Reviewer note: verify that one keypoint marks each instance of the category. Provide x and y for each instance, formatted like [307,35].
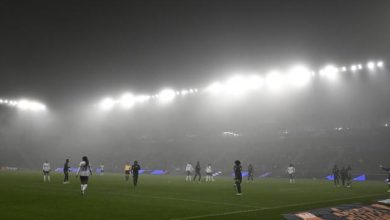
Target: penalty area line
[274,207]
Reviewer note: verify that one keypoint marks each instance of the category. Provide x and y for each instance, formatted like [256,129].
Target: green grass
[23,195]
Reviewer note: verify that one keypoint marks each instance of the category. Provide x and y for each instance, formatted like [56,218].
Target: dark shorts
[188,173]
[127,172]
[291,176]
[84,179]
[46,173]
[209,174]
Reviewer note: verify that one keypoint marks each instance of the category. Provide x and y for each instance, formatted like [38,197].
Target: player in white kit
[189,170]
[291,170]
[46,171]
[209,173]
[84,172]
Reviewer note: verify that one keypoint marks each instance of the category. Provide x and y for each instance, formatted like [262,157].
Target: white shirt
[208,169]
[290,170]
[84,170]
[46,167]
[189,167]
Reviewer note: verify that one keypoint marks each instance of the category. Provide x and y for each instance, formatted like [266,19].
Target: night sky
[65,52]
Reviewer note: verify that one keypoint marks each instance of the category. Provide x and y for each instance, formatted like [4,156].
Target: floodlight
[191,91]
[254,82]
[215,88]
[142,98]
[107,104]
[274,80]
[353,68]
[184,92]
[379,64]
[29,105]
[343,69]
[236,85]
[299,76]
[371,65]
[127,101]
[166,95]
[330,72]
[359,66]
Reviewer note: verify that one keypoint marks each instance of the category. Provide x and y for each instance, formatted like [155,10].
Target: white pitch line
[269,208]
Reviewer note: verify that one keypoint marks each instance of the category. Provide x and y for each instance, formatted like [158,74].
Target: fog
[71,54]
[269,130]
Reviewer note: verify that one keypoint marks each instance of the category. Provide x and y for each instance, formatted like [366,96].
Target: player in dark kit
[388,178]
[66,171]
[343,175]
[197,171]
[135,171]
[336,175]
[349,176]
[237,176]
[250,173]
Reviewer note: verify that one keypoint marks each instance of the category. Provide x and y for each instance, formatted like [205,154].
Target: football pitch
[24,195]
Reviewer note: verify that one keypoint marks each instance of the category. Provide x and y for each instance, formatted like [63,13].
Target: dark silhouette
[237,176]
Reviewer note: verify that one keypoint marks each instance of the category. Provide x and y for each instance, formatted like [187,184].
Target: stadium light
[29,105]
[255,82]
[371,65]
[184,92]
[127,101]
[299,76]
[274,80]
[235,86]
[107,104]
[330,72]
[215,88]
[142,98]
[24,105]
[166,95]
